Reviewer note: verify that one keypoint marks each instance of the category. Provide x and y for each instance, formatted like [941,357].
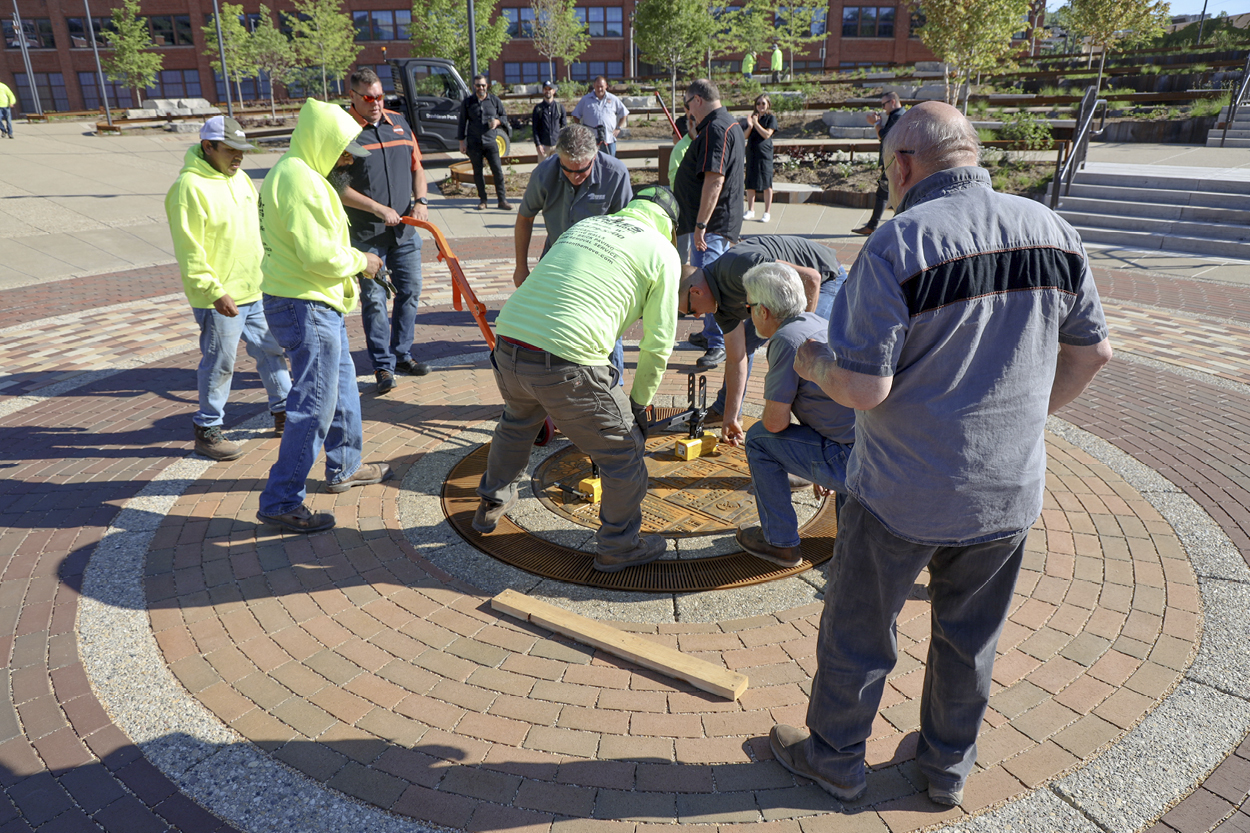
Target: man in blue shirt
[602,112]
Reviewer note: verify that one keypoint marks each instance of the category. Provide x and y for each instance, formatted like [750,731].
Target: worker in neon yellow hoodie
[212,219]
[309,283]
[555,335]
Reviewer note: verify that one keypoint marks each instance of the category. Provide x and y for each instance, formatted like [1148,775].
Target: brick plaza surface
[349,658]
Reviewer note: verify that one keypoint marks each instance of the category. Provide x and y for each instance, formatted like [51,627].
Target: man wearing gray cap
[213,220]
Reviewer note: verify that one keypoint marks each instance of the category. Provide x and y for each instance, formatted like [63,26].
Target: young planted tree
[234,40]
[324,38]
[128,40]
[272,53]
[672,34]
[441,28]
[751,28]
[794,28]
[1109,23]
[558,33]
[970,40]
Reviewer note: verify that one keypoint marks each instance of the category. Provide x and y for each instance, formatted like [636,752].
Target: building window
[176,83]
[868,21]
[80,36]
[820,19]
[520,22]
[809,66]
[171,30]
[584,71]
[51,89]
[38,32]
[89,83]
[249,89]
[527,72]
[917,21]
[382,25]
[602,21]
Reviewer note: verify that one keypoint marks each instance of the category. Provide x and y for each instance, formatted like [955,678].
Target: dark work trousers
[869,578]
[489,152]
[878,206]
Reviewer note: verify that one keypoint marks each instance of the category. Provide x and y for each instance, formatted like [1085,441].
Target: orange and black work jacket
[385,175]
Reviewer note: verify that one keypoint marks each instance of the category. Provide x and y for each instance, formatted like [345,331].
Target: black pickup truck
[428,91]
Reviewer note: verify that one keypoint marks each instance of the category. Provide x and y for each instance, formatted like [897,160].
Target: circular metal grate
[515,546]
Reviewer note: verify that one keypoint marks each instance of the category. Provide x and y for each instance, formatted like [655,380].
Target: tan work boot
[211,443]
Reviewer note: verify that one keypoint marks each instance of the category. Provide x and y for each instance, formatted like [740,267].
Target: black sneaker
[301,519]
[412,367]
[211,443]
[386,381]
[698,339]
[712,358]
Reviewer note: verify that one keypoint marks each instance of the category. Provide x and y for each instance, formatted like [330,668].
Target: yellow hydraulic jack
[697,443]
[589,489]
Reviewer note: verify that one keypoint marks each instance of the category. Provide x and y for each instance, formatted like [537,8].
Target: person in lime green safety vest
[7,100]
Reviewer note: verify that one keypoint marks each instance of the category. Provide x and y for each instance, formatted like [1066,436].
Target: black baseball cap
[661,196]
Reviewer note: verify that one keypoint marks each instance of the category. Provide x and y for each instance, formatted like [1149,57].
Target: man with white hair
[816,447]
[967,319]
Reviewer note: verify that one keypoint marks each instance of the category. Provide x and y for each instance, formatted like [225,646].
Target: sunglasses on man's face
[569,170]
[480,86]
[371,99]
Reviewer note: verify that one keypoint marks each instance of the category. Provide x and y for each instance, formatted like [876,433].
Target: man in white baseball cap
[213,220]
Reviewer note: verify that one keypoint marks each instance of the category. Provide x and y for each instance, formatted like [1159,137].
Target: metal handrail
[1235,101]
[1090,104]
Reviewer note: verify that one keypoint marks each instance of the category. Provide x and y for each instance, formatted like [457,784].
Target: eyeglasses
[372,99]
[688,100]
[688,309]
[892,158]
[569,170]
[480,86]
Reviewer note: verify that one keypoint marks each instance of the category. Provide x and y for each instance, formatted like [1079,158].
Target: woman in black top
[761,125]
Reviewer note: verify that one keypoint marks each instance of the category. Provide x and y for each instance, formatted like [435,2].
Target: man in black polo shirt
[717,289]
[481,115]
[891,111]
[385,184]
[710,189]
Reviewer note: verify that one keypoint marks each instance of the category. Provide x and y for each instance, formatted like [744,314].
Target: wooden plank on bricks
[699,673]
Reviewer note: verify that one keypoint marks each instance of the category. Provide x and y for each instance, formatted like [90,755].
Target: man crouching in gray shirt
[817,447]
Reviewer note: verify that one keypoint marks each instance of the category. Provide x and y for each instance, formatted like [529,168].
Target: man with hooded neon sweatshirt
[212,219]
[555,336]
[309,283]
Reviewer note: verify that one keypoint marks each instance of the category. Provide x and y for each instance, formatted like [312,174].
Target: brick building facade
[58,40]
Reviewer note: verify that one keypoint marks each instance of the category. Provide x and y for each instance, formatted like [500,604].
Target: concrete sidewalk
[74,204]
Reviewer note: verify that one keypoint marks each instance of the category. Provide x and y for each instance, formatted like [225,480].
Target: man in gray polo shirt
[575,182]
[967,319]
[817,446]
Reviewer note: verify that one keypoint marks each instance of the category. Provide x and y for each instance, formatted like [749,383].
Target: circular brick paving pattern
[350,658]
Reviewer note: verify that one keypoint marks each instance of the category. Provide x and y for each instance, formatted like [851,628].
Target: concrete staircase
[1238,131]
[1203,211]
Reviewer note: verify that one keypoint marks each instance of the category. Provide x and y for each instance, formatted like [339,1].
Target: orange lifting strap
[460,288]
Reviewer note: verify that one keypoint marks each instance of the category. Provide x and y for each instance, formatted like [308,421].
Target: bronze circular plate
[714,484]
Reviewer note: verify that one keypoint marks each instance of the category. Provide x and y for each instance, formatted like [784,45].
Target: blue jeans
[824,306]
[609,148]
[6,119]
[219,344]
[870,577]
[390,339]
[716,246]
[796,450]
[323,408]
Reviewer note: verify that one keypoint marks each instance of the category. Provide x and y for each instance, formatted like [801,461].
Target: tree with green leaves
[234,39]
[558,33]
[323,38]
[440,28]
[970,36]
[1110,23]
[672,34]
[751,28]
[794,28]
[129,39]
[272,53]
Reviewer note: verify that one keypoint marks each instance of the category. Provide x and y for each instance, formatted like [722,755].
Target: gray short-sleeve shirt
[811,405]
[605,191]
[724,274]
